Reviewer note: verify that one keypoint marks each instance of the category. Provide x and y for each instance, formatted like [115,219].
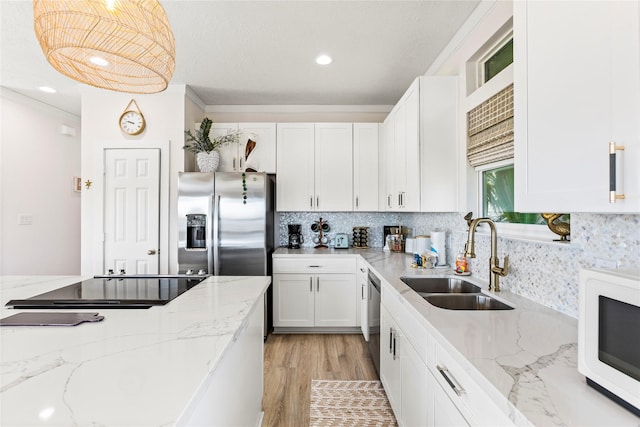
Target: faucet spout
[495,271]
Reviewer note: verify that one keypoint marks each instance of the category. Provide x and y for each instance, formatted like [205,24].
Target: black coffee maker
[295,236]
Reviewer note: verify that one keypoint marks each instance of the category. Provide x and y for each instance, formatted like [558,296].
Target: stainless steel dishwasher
[374,320]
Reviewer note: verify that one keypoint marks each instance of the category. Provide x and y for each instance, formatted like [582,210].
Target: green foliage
[499,200]
[201,142]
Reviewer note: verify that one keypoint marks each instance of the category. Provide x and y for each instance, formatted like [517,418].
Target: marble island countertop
[525,359]
[138,367]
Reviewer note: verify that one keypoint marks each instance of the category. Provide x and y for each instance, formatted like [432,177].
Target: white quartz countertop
[138,367]
[526,358]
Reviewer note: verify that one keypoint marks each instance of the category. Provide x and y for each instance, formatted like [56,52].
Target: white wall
[165,116]
[37,167]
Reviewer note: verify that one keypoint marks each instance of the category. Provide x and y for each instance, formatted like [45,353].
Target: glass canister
[462,265]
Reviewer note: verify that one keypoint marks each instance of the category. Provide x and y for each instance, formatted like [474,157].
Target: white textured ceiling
[262,52]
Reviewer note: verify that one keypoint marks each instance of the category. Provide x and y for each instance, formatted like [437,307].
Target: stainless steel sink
[440,285]
[466,302]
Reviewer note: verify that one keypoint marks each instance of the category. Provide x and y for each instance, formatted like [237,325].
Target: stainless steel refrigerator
[226,224]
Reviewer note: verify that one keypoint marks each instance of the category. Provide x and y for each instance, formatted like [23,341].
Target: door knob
[151,252]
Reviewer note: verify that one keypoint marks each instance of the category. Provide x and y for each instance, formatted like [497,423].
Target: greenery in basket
[201,142]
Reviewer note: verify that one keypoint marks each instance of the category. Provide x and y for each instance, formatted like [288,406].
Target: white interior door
[132,210]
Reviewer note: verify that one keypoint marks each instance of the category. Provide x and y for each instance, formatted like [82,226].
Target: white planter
[208,162]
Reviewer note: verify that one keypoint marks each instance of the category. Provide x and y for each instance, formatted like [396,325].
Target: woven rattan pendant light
[121,45]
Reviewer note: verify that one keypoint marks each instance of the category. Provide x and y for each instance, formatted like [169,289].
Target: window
[497,196]
[498,61]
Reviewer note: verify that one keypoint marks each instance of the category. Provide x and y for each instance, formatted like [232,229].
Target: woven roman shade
[121,45]
[490,129]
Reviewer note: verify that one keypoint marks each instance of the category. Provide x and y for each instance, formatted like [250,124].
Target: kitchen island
[195,361]
[524,361]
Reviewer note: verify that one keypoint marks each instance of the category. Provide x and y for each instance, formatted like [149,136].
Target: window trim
[499,44]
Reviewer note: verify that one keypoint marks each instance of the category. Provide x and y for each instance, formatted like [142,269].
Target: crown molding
[298,108]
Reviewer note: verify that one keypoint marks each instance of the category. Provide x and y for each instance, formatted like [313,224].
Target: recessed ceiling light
[324,60]
[100,62]
[47,89]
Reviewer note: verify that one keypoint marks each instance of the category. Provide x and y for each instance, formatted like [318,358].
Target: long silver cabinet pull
[318,284]
[389,200]
[314,266]
[317,202]
[356,202]
[451,380]
[311,201]
[234,163]
[310,284]
[362,291]
[395,354]
[390,340]
[613,172]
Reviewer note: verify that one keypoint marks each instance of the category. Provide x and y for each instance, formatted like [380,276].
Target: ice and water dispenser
[196,231]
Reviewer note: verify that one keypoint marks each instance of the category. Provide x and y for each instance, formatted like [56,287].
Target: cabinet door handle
[240,163]
[450,380]
[310,284]
[389,200]
[613,182]
[314,266]
[362,292]
[395,354]
[318,284]
[399,200]
[311,201]
[390,340]
[317,202]
[234,163]
[356,202]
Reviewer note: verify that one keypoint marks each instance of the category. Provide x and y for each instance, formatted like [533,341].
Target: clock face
[132,122]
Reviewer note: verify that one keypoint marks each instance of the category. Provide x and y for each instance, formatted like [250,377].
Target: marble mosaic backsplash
[545,273]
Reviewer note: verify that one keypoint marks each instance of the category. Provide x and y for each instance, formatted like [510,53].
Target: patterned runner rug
[349,404]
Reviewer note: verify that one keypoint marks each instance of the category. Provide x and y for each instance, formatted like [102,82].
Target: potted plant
[205,148]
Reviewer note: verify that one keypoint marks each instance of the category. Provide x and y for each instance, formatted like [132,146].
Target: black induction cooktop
[117,291]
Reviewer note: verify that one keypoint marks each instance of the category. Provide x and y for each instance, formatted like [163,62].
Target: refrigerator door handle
[215,234]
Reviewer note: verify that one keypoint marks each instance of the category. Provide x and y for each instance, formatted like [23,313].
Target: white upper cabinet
[439,144]
[263,156]
[577,88]
[365,166]
[420,149]
[315,164]
[228,153]
[402,153]
[233,157]
[333,167]
[389,202]
[295,165]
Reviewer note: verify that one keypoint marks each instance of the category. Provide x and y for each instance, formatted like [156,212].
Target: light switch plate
[25,219]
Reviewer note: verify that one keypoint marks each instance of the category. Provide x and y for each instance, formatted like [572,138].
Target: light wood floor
[292,361]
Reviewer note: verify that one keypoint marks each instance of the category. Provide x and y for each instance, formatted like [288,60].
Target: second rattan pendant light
[121,45]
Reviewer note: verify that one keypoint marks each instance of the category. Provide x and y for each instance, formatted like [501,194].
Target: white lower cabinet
[314,300]
[363,286]
[441,410]
[425,384]
[403,374]
[457,397]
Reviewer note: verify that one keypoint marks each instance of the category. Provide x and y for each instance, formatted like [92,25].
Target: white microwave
[609,334]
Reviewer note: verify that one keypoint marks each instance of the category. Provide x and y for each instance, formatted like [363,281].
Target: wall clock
[131,120]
